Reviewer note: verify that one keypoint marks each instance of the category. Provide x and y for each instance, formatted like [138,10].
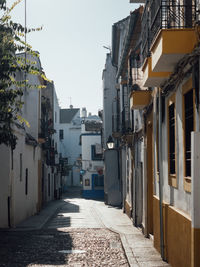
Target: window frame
[172,177]
[94,156]
[187,86]
[98,181]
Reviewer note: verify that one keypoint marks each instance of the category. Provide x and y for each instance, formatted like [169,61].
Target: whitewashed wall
[177,197]
[89,165]
[5,182]
[70,147]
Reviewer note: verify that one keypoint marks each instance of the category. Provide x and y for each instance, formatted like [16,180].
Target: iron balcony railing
[165,14]
[145,35]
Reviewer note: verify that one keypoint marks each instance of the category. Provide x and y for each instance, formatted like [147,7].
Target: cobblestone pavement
[51,247]
[77,232]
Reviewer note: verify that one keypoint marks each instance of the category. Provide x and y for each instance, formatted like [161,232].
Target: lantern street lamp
[110,143]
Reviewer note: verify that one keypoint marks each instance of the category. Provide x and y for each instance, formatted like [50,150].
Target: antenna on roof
[107,47]
[70,102]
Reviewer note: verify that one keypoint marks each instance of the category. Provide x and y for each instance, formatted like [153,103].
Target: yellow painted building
[171,68]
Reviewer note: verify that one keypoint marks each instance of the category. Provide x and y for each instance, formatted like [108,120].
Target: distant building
[92,157]
[112,185]
[51,173]
[70,149]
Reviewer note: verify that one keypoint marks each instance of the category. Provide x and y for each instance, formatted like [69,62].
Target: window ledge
[187,184]
[158,176]
[172,180]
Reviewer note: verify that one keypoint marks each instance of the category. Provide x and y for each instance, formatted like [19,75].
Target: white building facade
[92,158]
[20,168]
[70,149]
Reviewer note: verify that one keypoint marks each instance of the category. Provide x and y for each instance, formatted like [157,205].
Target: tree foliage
[11,90]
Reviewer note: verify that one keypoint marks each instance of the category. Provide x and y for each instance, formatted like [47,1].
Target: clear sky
[71,44]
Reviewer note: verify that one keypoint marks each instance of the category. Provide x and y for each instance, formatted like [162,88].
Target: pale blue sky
[71,44]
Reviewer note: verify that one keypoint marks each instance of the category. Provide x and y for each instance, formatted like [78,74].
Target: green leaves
[11,89]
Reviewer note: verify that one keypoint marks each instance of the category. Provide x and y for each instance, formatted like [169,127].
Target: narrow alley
[77,232]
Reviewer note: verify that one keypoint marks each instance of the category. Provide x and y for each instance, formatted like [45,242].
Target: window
[188,127]
[172,141]
[98,181]
[87,182]
[26,182]
[20,167]
[95,155]
[61,134]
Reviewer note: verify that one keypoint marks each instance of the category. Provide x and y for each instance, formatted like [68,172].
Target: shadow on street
[21,248]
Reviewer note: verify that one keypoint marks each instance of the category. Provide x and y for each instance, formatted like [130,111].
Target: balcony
[152,78]
[140,99]
[170,46]
[168,32]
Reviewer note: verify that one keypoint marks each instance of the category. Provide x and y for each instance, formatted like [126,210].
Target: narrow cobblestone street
[77,232]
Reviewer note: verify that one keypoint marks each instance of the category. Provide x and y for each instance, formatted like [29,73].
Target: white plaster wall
[109,97]
[24,205]
[177,197]
[31,110]
[88,164]
[56,120]
[70,146]
[5,188]
[47,196]
[87,142]
[137,120]
[128,175]
[123,172]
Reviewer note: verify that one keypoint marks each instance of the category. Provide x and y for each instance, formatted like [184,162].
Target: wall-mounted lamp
[110,143]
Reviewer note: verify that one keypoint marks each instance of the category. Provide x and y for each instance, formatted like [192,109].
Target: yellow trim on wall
[177,234]
[195,247]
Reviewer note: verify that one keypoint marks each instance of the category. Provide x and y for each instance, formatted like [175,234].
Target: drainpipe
[145,178]
[161,177]
[136,166]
